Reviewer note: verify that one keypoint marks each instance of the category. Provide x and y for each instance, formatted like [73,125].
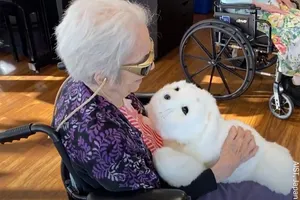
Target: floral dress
[286,38]
[285,34]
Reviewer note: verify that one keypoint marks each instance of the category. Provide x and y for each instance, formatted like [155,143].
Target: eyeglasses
[144,68]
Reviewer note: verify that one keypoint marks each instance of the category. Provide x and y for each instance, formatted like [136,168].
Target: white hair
[97,36]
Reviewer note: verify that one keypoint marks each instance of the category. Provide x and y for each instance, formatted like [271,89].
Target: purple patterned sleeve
[115,164]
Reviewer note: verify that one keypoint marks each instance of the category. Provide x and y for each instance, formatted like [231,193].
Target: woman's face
[130,82]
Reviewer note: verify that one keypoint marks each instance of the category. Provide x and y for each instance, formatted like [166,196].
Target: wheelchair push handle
[26,131]
[16,133]
[247,6]
[238,6]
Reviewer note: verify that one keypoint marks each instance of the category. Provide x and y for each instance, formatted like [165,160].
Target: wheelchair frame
[256,46]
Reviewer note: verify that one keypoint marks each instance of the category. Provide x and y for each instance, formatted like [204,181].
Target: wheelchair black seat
[245,23]
[248,24]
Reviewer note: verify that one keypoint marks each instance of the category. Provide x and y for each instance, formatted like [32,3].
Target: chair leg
[11,38]
[31,38]
[29,35]
[21,28]
[42,24]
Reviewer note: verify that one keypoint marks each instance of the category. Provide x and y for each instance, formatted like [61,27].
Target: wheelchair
[76,186]
[238,50]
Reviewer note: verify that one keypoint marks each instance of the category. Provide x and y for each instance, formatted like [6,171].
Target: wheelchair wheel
[206,60]
[286,106]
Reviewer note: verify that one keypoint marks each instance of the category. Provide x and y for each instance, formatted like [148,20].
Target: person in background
[285,21]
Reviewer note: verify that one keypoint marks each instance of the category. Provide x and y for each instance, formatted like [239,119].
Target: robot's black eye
[177,89]
[167,97]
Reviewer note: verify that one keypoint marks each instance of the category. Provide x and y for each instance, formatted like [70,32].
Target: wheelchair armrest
[144,97]
[238,6]
[61,66]
[156,194]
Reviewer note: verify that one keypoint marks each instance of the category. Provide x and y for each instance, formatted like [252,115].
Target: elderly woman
[285,22]
[107,50]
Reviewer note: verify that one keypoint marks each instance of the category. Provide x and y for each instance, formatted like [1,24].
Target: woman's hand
[288,3]
[238,147]
[270,8]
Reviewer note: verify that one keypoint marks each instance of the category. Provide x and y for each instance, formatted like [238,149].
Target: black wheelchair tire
[239,37]
[287,100]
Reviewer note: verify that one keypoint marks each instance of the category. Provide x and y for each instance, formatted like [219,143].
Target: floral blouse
[101,143]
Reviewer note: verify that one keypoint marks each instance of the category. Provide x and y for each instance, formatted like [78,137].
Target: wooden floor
[29,169]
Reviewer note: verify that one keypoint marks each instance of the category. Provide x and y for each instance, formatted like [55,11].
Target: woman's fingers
[240,139]
[288,3]
[244,143]
[232,134]
[240,134]
[273,9]
[253,152]
[279,1]
[249,147]
[249,143]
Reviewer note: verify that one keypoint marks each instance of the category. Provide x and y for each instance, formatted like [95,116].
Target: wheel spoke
[222,50]
[235,58]
[197,57]
[283,111]
[285,103]
[286,110]
[213,43]
[223,79]
[202,46]
[211,78]
[201,70]
[230,70]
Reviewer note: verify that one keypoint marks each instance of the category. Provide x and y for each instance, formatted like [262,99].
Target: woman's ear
[98,78]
